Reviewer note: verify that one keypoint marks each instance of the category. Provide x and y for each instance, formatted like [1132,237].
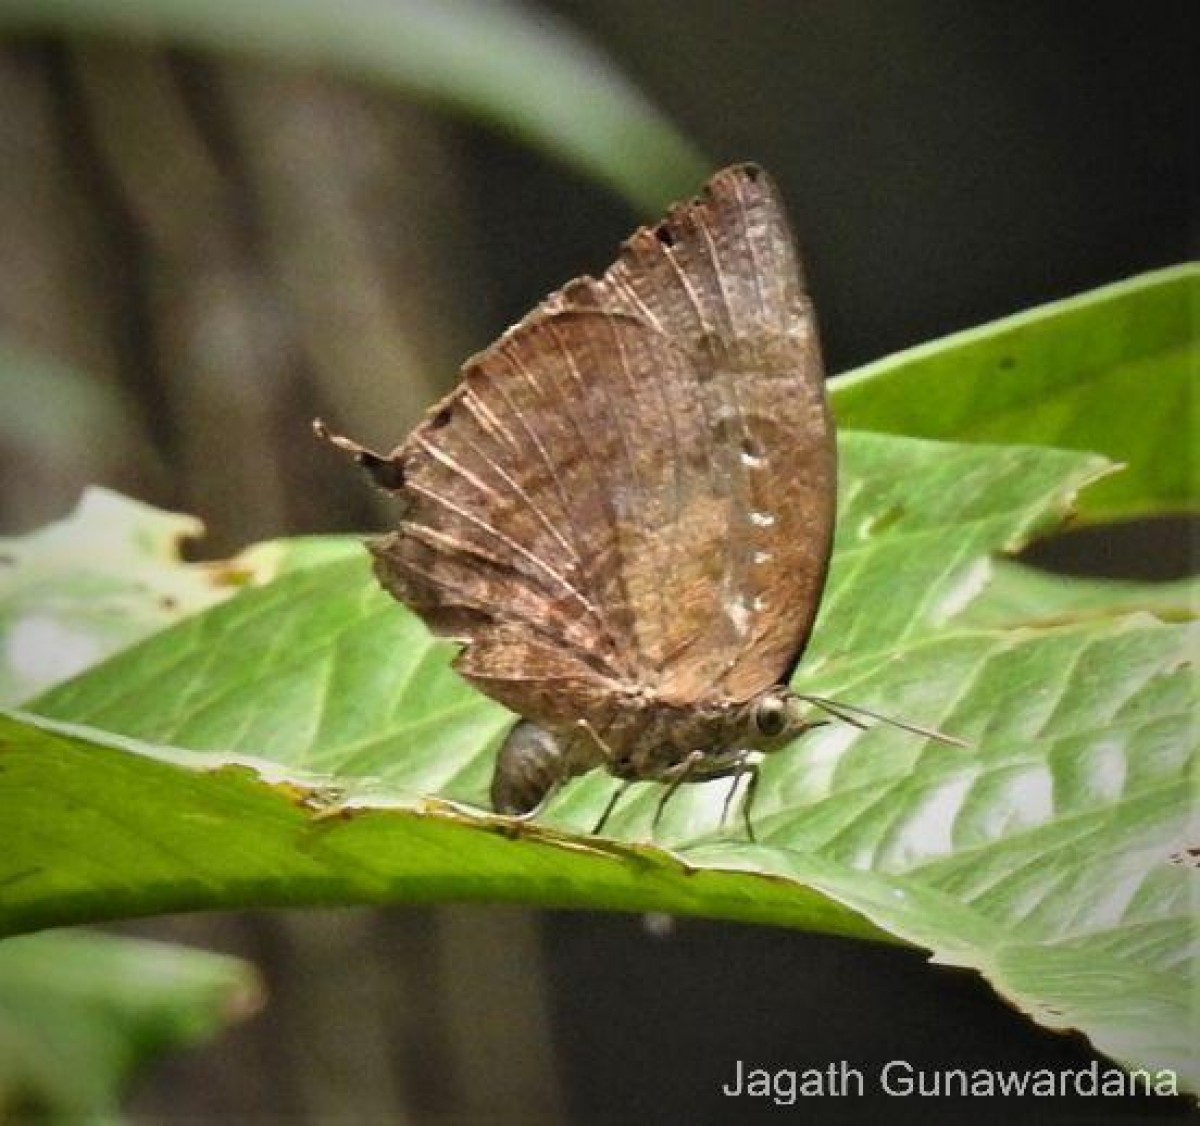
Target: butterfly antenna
[851,713]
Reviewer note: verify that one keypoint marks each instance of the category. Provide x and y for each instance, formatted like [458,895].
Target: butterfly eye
[770,716]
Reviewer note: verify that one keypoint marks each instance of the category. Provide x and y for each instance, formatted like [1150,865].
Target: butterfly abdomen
[530,764]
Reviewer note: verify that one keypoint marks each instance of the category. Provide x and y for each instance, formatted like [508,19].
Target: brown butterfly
[624,511]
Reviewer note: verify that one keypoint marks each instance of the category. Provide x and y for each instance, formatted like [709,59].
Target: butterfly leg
[743,765]
[675,777]
[699,766]
[605,750]
[514,822]
[612,804]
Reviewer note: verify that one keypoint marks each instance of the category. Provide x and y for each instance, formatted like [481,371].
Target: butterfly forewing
[632,490]
[720,276]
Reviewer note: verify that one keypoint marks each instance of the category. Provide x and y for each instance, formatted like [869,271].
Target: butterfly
[624,511]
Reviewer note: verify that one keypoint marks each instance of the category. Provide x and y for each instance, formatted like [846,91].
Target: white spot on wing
[738,611]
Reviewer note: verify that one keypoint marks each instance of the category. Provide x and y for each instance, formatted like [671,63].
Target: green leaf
[1113,370]
[82,588]
[80,1014]
[108,575]
[501,62]
[1023,596]
[327,736]
[155,829]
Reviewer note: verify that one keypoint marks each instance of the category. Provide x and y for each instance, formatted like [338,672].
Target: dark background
[944,163]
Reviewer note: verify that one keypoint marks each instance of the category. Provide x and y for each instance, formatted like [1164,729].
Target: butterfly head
[776,717]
